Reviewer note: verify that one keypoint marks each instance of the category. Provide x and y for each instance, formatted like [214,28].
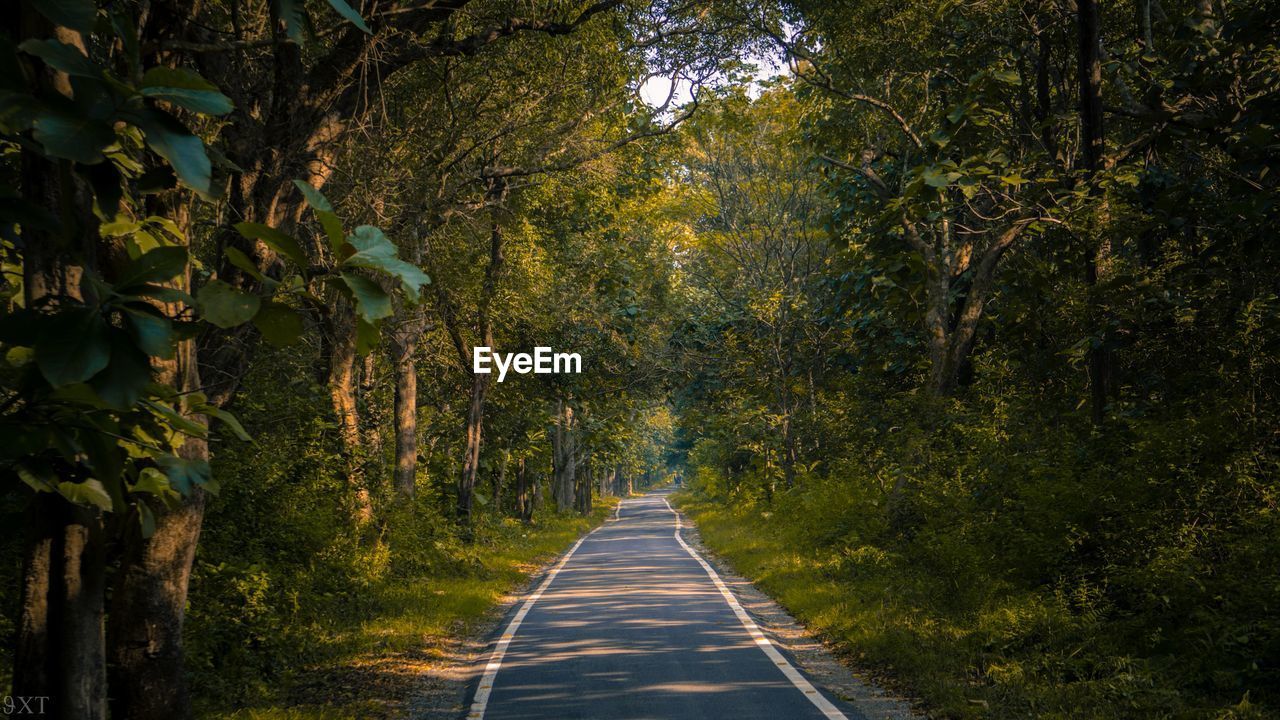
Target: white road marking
[762,642]
[481,700]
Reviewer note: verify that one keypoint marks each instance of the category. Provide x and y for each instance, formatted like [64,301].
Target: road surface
[634,625]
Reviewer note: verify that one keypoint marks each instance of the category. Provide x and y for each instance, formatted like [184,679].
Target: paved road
[634,626]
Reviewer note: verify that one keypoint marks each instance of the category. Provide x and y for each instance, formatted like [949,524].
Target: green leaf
[275,240]
[176,420]
[152,332]
[79,15]
[350,14]
[296,21]
[146,520]
[367,337]
[242,261]
[61,56]
[104,455]
[186,89]
[18,111]
[125,378]
[333,228]
[172,141]
[89,492]
[375,252]
[163,294]
[184,475]
[40,480]
[73,137]
[226,306]
[1008,77]
[280,324]
[156,265]
[151,480]
[938,177]
[230,421]
[74,346]
[372,302]
[314,197]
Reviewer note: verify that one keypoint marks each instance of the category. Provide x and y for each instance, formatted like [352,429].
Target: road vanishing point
[633,624]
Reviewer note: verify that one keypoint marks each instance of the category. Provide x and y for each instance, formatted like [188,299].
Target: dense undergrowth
[1002,568]
[298,612]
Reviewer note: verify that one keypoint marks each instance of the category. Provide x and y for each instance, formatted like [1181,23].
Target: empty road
[633,625]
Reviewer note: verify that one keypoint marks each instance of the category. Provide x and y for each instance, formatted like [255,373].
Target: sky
[655,89]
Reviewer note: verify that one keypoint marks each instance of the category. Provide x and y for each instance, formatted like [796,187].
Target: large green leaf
[104,455]
[186,89]
[275,240]
[242,261]
[153,481]
[280,324]
[156,265]
[332,228]
[163,294]
[172,141]
[226,306]
[88,492]
[374,251]
[350,14]
[367,337]
[315,198]
[152,332]
[184,475]
[73,346]
[372,302]
[73,137]
[939,177]
[230,421]
[79,15]
[61,56]
[122,383]
[296,21]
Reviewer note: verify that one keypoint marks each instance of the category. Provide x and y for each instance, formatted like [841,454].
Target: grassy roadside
[1014,656]
[368,667]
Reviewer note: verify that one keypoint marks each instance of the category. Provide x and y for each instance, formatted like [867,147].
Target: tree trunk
[149,598]
[147,611]
[406,415]
[342,396]
[500,481]
[537,497]
[583,489]
[524,503]
[1091,131]
[608,482]
[61,654]
[61,651]
[563,452]
[471,450]
[480,381]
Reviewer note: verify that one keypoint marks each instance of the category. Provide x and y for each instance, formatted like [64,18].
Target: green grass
[983,651]
[365,667]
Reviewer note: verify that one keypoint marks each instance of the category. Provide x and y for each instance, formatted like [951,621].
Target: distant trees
[762,250]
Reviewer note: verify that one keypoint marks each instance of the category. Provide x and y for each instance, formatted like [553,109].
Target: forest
[954,320]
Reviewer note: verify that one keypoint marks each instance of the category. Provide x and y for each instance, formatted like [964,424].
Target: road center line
[762,642]
[485,687]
